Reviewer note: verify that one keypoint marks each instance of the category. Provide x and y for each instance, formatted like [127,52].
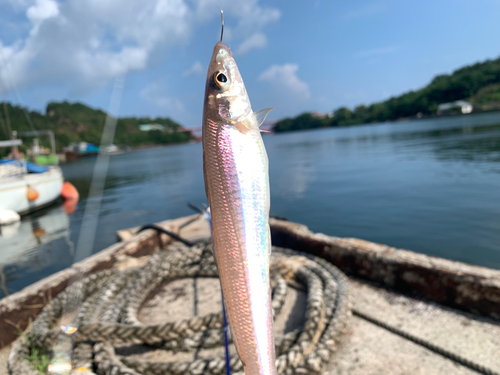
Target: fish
[236,173]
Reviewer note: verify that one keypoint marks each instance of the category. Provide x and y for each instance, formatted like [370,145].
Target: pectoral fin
[256,119]
[260,116]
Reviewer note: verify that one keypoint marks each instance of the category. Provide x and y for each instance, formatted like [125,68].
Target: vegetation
[39,358]
[76,122]
[478,83]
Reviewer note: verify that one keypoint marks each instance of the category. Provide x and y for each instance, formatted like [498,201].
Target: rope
[105,305]
[169,233]
[426,344]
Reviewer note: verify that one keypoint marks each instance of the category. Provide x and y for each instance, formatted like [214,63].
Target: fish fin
[260,116]
[255,119]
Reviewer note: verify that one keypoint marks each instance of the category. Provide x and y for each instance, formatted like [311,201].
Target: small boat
[26,186]
[77,150]
[412,312]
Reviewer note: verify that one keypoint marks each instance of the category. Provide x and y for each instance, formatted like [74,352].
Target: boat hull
[14,190]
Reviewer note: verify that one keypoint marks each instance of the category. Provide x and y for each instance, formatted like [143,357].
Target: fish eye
[221,77]
[220,81]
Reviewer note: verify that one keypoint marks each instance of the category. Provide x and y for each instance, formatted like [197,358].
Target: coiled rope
[105,307]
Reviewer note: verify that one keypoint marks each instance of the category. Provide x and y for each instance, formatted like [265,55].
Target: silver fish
[236,175]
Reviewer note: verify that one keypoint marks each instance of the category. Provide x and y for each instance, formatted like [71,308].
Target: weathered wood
[466,287]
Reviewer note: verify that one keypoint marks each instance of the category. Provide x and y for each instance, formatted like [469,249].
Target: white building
[149,127]
[462,105]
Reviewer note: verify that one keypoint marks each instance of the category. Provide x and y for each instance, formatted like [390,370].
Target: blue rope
[226,338]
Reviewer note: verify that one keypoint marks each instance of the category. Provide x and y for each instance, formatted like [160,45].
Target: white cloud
[285,77]
[257,40]
[196,69]
[81,46]
[44,9]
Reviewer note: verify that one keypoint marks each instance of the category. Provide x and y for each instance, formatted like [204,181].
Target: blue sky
[295,55]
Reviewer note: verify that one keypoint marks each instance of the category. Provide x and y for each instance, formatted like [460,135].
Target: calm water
[430,186]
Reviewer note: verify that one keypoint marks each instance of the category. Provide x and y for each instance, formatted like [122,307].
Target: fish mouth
[221,46]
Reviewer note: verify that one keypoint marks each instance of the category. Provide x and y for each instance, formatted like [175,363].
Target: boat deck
[366,348]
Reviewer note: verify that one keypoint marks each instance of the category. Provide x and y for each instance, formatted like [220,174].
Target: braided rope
[106,306]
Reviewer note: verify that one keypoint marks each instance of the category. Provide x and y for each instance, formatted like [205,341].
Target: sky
[294,55]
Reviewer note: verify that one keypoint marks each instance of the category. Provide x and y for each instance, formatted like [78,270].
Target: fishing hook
[222,23]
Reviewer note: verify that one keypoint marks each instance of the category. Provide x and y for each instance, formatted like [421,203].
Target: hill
[478,83]
[75,122]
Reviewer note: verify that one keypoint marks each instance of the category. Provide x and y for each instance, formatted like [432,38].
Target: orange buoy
[32,194]
[68,191]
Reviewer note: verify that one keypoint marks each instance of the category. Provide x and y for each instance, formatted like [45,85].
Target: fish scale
[236,176]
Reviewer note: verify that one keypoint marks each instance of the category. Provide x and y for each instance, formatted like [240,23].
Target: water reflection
[293,170]
[482,148]
[34,247]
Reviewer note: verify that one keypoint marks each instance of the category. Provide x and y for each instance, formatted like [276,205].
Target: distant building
[320,115]
[459,105]
[149,127]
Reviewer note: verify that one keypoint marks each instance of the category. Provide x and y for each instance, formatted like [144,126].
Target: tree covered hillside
[478,83]
[75,122]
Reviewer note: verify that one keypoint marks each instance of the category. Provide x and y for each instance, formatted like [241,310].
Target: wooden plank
[463,286]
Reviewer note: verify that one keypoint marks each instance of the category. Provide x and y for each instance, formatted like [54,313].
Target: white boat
[24,192]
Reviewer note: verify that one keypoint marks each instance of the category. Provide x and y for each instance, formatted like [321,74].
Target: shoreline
[132,149]
[400,120]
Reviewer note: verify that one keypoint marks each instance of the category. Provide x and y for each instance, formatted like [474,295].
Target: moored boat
[25,192]
[25,186]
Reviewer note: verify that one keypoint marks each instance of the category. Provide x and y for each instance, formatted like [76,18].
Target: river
[430,186]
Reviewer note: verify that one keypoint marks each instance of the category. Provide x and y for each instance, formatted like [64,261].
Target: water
[430,186]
